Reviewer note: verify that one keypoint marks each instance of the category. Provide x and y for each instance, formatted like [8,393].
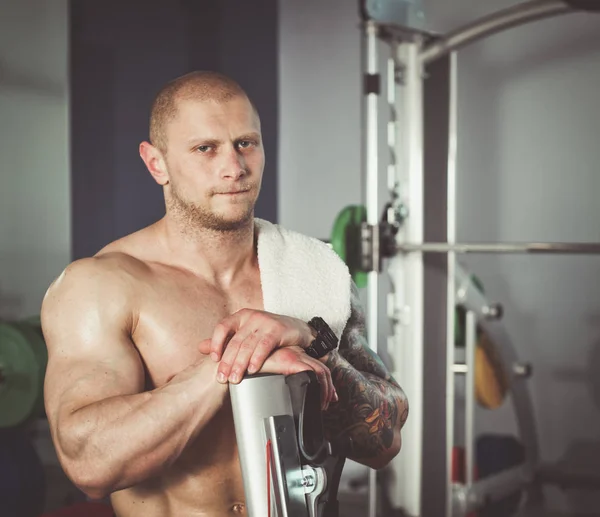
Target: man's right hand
[293,359]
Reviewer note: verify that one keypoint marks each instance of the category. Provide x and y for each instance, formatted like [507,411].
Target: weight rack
[417,57]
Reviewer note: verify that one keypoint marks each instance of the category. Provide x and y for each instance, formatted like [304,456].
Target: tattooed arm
[372,408]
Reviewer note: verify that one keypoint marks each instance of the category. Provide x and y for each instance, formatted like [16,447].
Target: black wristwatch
[326,340]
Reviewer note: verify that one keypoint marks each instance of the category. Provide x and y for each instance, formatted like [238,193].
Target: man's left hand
[244,340]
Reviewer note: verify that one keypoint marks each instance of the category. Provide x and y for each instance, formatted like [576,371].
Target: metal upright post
[372,91]
[470,343]
[406,274]
[451,284]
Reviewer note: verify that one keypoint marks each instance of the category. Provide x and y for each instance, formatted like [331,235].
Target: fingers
[221,335]
[242,342]
[237,355]
[225,330]
[204,346]
[328,393]
[263,349]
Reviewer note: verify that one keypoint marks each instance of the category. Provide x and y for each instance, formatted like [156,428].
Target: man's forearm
[369,415]
[119,442]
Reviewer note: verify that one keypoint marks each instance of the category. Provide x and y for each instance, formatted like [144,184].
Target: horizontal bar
[577,248]
[497,22]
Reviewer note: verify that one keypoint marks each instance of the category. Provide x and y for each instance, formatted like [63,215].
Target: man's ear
[155,163]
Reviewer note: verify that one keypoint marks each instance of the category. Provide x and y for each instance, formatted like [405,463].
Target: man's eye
[244,144]
[203,148]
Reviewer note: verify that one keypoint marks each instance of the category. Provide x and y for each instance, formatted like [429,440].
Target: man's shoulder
[110,270]
[105,271]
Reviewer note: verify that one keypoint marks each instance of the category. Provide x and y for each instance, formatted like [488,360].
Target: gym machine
[416,235]
[288,467]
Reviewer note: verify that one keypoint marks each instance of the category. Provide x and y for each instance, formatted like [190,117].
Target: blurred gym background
[76,82]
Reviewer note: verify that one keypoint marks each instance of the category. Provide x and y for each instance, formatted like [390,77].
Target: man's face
[215,161]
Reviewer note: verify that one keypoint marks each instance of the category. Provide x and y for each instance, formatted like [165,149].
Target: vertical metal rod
[451,285]
[471,331]
[393,120]
[372,188]
[415,229]
[407,277]
[372,99]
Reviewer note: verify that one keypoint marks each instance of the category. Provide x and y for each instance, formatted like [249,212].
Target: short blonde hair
[199,85]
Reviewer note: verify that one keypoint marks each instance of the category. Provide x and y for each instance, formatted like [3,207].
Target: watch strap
[324,342]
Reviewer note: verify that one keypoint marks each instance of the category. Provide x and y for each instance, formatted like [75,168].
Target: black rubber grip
[372,84]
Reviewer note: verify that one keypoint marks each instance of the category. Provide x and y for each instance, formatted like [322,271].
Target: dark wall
[121,54]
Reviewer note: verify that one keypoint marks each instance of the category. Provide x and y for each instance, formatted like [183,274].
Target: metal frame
[575,248]
[514,16]
[372,201]
[451,270]
[411,51]
[406,274]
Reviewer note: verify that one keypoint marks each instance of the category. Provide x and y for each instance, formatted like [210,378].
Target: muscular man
[145,337]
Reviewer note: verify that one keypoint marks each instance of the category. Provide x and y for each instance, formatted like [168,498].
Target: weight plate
[345,240]
[32,329]
[491,384]
[21,381]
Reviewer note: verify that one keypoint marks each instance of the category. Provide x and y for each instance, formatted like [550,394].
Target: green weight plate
[32,329]
[21,382]
[345,240]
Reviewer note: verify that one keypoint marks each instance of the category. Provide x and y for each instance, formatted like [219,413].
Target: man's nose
[234,165]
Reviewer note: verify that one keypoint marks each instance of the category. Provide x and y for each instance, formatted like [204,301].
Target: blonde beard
[195,217]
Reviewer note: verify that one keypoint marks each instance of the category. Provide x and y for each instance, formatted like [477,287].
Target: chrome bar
[577,248]
[451,366]
[372,205]
[392,126]
[470,343]
[513,16]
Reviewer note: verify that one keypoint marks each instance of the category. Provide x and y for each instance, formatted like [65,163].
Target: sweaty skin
[145,325]
[135,409]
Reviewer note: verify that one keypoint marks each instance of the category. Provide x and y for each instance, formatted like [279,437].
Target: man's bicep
[90,354]
[354,346]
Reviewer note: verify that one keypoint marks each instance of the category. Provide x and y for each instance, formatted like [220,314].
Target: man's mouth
[233,192]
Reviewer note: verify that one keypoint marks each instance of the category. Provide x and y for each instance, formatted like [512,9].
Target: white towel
[302,277]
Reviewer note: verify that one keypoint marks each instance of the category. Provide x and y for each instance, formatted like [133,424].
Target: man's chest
[174,317]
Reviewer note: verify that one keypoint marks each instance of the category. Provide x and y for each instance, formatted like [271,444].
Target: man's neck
[216,255]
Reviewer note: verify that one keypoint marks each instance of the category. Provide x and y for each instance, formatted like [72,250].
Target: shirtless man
[145,337]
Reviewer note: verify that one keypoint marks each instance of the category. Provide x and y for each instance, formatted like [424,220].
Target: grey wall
[34,167]
[527,170]
[319,110]
[122,53]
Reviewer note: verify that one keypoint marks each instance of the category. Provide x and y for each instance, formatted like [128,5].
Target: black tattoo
[372,407]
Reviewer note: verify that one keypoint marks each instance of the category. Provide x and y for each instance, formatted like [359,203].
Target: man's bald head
[201,86]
